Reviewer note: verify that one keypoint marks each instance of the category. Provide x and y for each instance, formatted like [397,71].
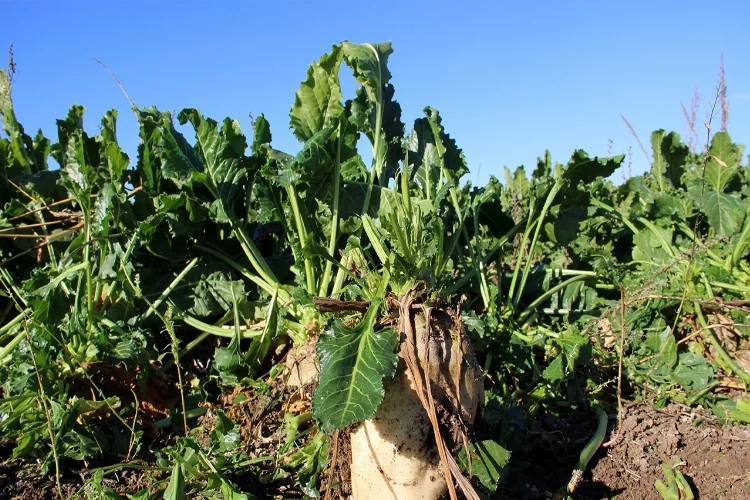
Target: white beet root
[394,454]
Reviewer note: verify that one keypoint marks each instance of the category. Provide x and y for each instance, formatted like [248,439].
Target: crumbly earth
[715,459]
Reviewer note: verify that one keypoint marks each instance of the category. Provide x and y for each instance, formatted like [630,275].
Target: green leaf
[117,162]
[317,102]
[581,168]
[180,162]
[312,458]
[571,344]
[648,246]
[374,111]
[692,372]
[382,202]
[725,212]
[261,134]
[369,62]
[222,152]
[25,443]
[723,162]
[353,362]
[487,462]
[554,370]
[21,157]
[176,488]
[230,491]
[565,228]
[225,436]
[228,361]
[260,346]
[675,153]
[664,346]
[149,158]
[209,293]
[313,165]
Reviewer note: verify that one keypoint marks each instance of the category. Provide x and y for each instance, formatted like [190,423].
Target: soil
[714,459]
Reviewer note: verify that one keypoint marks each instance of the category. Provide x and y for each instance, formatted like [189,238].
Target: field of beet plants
[216,318]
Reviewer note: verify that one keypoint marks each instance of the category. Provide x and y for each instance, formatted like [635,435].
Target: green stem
[152,308]
[519,256]
[716,260]
[594,443]
[477,264]
[375,240]
[729,286]
[185,350]
[740,245]
[705,390]
[112,325]
[8,348]
[325,282]
[338,284]
[10,325]
[650,225]
[87,261]
[549,293]
[284,296]
[556,273]
[302,235]
[532,246]
[729,362]
[295,328]
[216,330]
[378,162]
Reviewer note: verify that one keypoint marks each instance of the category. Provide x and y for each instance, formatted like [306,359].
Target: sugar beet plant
[137,291]
[111,268]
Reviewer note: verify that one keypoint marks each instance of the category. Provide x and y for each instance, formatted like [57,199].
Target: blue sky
[509,79]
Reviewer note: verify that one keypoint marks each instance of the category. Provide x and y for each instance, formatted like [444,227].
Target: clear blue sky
[509,79]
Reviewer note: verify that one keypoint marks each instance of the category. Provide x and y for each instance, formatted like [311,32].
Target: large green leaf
[312,166]
[382,202]
[669,159]
[222,151]
[432,152]
[369,62]
[724,211]
[180,162]
[692,371]
[353,362]
[649,247]
[582,168]
[374,111]
[722,164]
[148,164]
[317,102]
[21,147]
